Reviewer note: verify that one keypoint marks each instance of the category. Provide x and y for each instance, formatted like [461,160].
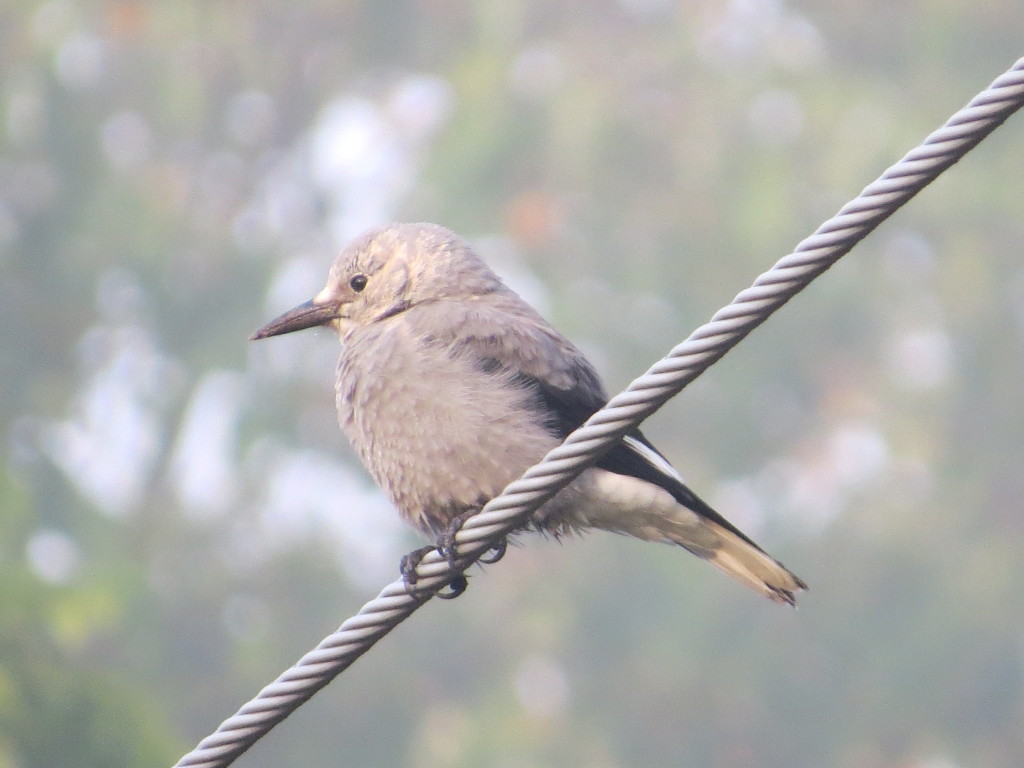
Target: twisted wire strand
[511,509]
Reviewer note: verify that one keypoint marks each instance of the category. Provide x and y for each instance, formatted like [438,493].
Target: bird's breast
[439,433]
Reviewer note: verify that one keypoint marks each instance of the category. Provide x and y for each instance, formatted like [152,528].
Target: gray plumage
[449,386]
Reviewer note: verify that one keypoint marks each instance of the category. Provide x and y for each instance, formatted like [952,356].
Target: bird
[449,386]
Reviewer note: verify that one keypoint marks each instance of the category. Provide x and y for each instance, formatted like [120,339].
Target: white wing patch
[652,457]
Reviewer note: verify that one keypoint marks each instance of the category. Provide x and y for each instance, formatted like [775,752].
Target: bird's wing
[634,456]
[515,340]
[503,335]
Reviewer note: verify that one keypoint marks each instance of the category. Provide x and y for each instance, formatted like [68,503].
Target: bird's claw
[495,553]
[455,588]
[447,544]
[408,565]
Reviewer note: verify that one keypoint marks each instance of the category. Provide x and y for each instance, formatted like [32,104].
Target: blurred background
[180,518]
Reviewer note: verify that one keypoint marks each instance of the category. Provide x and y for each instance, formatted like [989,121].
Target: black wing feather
[566,410]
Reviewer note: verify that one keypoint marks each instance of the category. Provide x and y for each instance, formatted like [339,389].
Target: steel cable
[511,509]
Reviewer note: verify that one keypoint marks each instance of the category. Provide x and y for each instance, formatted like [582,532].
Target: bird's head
[385,272]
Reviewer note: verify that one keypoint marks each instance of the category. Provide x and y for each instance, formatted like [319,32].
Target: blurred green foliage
[179,517]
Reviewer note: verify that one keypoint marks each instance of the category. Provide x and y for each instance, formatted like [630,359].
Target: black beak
[308,315]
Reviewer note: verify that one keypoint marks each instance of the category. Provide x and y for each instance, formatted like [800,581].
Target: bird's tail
[739,558]
[630,506]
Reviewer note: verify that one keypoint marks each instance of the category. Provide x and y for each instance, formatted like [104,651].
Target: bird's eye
[358,283]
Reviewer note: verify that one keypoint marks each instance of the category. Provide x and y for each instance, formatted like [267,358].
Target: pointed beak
[308,315]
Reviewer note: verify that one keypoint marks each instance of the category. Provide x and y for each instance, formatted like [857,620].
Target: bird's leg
[408,564]
[446,544]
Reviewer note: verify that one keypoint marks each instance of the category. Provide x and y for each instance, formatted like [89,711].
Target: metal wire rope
[510,510]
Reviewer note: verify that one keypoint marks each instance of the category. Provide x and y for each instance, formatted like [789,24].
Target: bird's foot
[446,545]
[408,565]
